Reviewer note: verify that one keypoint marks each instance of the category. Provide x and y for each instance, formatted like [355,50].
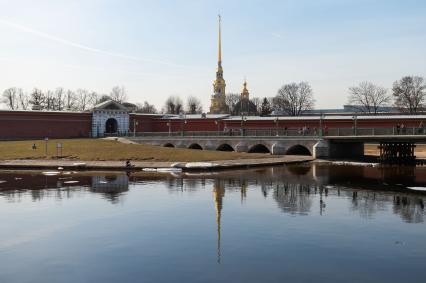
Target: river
[298,223]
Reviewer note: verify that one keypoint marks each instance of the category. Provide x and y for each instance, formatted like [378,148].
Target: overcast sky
[161,48]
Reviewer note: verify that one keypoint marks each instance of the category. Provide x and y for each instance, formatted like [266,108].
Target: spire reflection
[218,195]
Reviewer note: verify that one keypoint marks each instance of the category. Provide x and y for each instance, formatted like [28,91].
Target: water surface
[302,223]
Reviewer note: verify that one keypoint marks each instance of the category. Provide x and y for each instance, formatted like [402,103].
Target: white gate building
[109,118]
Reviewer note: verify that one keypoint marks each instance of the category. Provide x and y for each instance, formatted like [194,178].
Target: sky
[160,48]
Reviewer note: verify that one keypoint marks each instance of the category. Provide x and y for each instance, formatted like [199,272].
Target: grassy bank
[97,149]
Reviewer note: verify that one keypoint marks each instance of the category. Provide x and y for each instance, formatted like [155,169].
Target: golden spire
[218,103]
[245,93]
[220,42]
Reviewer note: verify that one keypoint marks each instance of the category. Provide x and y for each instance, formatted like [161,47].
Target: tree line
[61,99]
[407,94]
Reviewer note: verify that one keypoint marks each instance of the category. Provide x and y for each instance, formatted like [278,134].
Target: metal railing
[291,132]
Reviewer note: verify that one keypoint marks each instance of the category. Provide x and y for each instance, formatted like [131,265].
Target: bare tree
[368,97]
[83,99]
[173,105]
[71,102]
[294,98]
[231,99]
[257,102]
[50,100]
[60,97]
[103,98]
[193,105]
[146,108]
[93,99]
[37,99]
[10,98]
[410,94]
[23,99]
[118,94]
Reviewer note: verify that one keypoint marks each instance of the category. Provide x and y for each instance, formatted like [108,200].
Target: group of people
[302,131]
[402,129]
[305,131]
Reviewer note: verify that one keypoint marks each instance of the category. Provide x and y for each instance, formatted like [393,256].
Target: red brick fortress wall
[40,124]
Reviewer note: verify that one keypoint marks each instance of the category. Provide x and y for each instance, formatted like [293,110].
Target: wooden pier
[401,153]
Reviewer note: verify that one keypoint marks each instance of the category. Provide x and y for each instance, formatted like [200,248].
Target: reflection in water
[111,187]
[411,209]
[264,196]
[293,188]
[218,195]
[63,185]
[293,198]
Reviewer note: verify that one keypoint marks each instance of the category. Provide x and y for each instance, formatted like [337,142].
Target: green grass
[98,149]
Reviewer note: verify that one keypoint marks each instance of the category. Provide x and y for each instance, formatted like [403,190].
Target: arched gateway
[111,126]
[110,117]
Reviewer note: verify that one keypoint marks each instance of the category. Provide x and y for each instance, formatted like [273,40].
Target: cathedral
[218,103]
[245,106]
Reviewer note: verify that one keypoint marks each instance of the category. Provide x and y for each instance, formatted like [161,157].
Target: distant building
[245,106]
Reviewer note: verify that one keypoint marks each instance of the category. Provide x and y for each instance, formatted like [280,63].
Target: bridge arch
[168,145]
[195,146]
[298,150]
[225,147]
[259,148]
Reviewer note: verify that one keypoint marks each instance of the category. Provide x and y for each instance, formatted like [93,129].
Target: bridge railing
[291,132]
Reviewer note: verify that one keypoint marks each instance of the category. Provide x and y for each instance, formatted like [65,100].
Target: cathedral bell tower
[218,103]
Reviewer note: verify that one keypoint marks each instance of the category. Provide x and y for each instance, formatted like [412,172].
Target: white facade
[109,117]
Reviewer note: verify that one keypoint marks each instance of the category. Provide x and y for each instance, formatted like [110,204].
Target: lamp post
[218,126]
[182,117]
[170,128]
[321,125]
[276,126]
[243,119]
[355,124]
[135,123]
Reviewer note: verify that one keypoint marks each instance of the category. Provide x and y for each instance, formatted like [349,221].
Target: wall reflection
[111,186]
[16,185]
[296,190]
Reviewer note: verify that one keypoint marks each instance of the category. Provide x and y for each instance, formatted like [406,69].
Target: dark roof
[110,105]
[244,106]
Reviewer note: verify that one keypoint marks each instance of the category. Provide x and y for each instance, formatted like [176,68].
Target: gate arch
[111,126]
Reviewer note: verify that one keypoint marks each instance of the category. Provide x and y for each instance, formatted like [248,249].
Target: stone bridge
[313,146]
[392,146]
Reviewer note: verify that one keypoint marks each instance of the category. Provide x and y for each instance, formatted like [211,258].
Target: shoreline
[31,164]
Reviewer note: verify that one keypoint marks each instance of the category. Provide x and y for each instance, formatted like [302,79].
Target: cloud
[87,48]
